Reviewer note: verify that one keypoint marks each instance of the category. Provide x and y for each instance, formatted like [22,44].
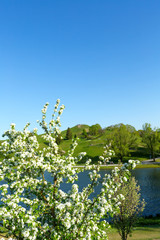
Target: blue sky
[101,58]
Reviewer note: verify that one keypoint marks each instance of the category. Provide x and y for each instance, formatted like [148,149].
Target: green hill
[77,130]
[93,145]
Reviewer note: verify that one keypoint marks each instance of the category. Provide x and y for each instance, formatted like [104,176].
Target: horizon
[100,58]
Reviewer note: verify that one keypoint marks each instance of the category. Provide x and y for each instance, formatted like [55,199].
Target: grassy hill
[93,145]
[77,130]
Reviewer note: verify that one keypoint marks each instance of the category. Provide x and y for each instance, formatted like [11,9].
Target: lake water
[149,181]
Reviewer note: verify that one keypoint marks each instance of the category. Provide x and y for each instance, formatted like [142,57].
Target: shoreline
[144,164]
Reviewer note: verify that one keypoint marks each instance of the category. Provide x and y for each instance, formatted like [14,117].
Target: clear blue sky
[101,58]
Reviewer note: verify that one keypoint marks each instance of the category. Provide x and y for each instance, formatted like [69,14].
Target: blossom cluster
[36,209]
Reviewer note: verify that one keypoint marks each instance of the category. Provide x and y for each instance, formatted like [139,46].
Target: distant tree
[68,134]
[123,137]
[94,129]
[59,139]
[151,137]
[84,133]
[130,207]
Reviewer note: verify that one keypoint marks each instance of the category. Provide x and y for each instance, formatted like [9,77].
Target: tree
[34,208]
[151,137]
[130,207]
[68,134]
[59,139]
[84,133]
[94,129]
[123,137]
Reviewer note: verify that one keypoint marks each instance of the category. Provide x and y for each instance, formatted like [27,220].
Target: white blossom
[35,208]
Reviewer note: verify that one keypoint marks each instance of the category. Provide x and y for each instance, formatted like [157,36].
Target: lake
[149,181]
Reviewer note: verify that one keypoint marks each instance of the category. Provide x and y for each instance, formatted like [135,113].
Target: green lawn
[139,233]
[147,228]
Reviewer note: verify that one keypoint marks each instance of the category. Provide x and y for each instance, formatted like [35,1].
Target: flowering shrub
[33,208]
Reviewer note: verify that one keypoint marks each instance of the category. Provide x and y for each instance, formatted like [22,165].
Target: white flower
[13,125]
[24,170]
[125,179]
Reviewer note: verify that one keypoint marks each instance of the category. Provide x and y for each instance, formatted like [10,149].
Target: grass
[139,233]
[148,166]
[147,228]
[138,166]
